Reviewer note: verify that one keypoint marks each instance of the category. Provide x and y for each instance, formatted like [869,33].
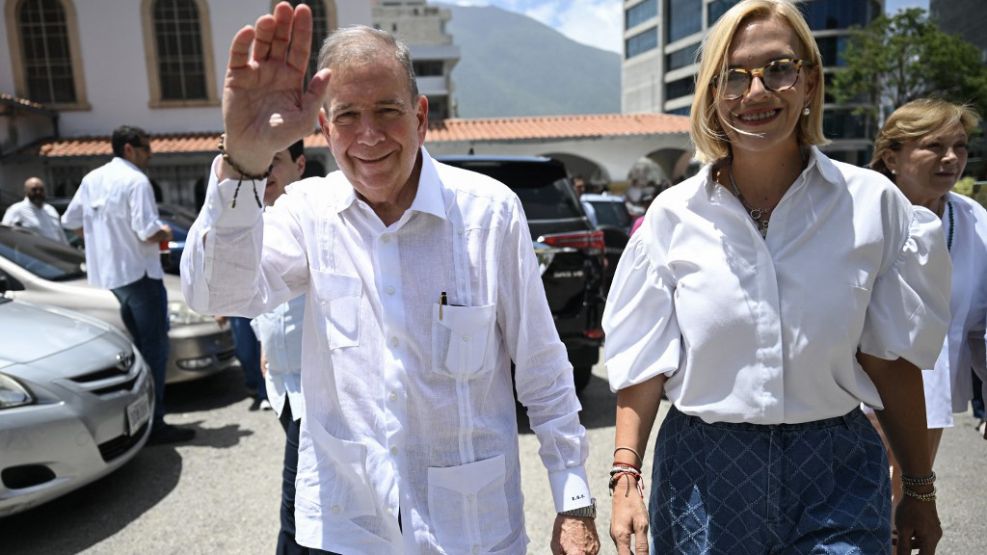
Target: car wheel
[581,375]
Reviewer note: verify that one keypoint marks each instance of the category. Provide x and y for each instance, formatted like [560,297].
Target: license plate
[138,413]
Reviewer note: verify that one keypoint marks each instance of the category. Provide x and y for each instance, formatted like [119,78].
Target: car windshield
[41,256]
[611,213]
[543,188]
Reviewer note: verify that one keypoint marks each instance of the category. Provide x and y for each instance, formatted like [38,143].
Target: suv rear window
[611,213]
[542,188]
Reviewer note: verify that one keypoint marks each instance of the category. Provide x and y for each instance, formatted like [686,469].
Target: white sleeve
[908,314]
[236,262]
[643,337]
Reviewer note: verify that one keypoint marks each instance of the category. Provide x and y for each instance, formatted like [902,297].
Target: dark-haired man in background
[114,211]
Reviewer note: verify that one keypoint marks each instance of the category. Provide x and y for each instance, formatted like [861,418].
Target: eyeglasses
[146,148]
[779,75]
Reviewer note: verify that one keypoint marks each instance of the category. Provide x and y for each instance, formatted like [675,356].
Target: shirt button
[466,338]
[393,342]
[476,549]
[389,290]
[394,450]
[393,397]
[336,509]
[385,238]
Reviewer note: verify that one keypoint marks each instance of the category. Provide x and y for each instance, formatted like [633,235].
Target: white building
[89,66]
[423,29]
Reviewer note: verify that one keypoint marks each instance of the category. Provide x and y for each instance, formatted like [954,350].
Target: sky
[598,22]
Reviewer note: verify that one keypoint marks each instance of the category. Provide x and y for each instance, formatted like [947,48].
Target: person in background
[579,185]
[114,211]
[922,148]
[280,334]
[421,288]
[34,213]
[768,297]
[247,349]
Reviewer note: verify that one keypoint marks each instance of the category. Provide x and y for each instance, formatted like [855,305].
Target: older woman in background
[768,296]
[922,148]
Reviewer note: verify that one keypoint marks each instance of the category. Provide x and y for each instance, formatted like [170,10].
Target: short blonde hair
[708,135]
[916,119]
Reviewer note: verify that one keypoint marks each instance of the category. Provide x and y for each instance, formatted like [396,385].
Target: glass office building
[661,41]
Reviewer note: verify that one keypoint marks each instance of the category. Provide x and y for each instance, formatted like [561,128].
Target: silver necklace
[761,216]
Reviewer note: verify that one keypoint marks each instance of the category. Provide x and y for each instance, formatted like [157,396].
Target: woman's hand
[265,108]
[918,526]
[628,518]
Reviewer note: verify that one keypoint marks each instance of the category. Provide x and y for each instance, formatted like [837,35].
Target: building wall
[966,18]
[115,66]
[423,29]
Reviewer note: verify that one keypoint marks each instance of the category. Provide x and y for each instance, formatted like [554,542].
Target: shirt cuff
[570,489]
[220,197]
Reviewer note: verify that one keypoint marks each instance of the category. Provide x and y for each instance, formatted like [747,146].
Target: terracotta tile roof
[177,143]
[556,127]
[17,102]
[487,129]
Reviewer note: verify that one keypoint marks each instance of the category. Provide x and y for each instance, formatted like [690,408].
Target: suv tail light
[578,240]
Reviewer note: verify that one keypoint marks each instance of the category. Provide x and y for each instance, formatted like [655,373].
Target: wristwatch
[588,511]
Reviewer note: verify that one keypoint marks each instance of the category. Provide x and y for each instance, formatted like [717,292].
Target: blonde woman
[922,148]
[768,297]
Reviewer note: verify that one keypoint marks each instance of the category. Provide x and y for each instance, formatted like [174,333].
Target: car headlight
[180,314]
[13,394]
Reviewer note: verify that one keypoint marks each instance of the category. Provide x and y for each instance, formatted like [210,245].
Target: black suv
[570,252]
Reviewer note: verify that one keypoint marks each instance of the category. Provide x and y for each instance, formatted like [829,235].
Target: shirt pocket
[340,471]
[339,298]
[461,337]
[468,506]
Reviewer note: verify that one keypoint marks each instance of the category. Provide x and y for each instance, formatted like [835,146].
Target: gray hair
[356,44]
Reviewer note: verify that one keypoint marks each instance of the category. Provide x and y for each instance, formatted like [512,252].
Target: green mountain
[512,65]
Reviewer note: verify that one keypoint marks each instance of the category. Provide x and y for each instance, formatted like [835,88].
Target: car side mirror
[8,283]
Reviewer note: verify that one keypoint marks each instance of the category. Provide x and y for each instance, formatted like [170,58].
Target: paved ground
[220,493]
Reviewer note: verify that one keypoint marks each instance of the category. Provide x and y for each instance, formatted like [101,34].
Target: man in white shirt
[421,287]
[114,211]
[34,213]
[280,335]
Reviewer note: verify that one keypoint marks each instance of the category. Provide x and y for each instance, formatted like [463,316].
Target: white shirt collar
[429,198]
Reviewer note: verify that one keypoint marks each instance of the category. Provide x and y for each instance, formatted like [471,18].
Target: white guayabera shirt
[115,207]
[43,220]
[408,405]
[765,330]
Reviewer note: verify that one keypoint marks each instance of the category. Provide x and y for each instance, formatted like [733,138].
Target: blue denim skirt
[819,487]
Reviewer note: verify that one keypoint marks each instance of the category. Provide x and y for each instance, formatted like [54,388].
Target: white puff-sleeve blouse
[765,330]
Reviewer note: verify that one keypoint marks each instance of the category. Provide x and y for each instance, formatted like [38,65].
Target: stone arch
[594,172]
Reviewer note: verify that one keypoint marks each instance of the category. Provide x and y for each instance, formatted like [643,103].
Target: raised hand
[265,105]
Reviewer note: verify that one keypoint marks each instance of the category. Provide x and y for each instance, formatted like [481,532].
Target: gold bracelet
[632,450]
[927,497]
[918,481]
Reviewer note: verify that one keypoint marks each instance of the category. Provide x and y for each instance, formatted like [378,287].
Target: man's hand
[628,518]
[918,526]
[574,536]
[265,108]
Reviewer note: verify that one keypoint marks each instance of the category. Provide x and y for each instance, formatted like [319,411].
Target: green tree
[898,59]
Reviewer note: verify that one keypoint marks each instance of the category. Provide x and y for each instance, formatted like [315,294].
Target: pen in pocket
[443,300]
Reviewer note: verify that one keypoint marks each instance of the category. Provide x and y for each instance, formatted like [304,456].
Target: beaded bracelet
[927,497]
[617,471]
[243,174]
[919,481]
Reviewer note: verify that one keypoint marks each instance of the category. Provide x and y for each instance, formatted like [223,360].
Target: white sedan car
[36,269]
[75,402]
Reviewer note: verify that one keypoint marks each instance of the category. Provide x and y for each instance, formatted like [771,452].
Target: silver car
[75,402]
[36,269]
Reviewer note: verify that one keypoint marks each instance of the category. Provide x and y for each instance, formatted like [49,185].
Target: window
[179,43]
[178,46]
[843,124]
[44,52]
[838,14]
[323,23]
[641,42]
[717,8]
[680,87]
[428,68]
[639,13]
[681,58]
[832,49]
[683,111]
[684,18]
